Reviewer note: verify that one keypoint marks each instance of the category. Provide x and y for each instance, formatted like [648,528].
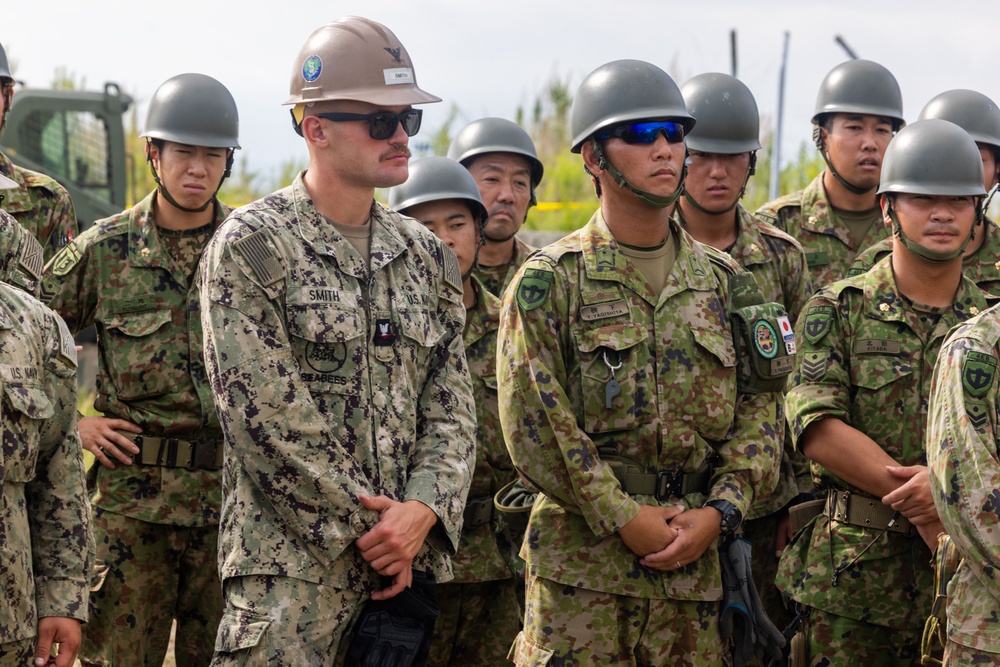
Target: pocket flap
[240,630]
[717,343]
[614,337]
[526,653]
[29,400]
[320,323]
[138,324]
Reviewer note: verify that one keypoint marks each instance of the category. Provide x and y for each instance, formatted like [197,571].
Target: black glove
[396,632]
[513,503]
[743,619]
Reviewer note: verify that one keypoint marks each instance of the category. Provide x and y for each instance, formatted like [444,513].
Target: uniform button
[883,307]
[144,252]
[358,527]
[753,247]
[997,266]
[974,310]
[812,219]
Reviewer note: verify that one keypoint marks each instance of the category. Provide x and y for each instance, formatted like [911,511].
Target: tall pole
[848,50]
[776,143]
[732,48]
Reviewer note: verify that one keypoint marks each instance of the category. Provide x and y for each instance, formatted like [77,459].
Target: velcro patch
[978,415]
[67,346]
[876,346]
[817,324]
[534,288]
[262,259]
[600,311]
[66,259]
[978,373]
[814,364]
[816,259]
[452,275]
[32,259]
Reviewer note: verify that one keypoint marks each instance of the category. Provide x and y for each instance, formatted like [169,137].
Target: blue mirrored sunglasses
[644,132]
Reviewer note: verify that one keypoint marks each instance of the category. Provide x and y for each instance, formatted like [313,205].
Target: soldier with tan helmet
[157,443]
[38,202]
[858,109]
[333,334]
[501,156]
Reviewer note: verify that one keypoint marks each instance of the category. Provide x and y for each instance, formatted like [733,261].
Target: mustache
[396,150]
[503,207]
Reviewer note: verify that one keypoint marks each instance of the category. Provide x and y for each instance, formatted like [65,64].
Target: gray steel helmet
[4,65]
[355,58]
[193,109]
[933,157]
[726,112]
[433,179]
[621,91]
[21,256]
[496,135]
[973,112]
[860,86]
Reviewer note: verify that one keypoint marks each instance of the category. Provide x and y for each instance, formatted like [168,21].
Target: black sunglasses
[382,124]
[645,132]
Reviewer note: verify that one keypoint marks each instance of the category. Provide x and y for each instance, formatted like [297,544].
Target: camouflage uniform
[678,409]
[479,611]
[964,461]
[778,264]
[865,357]
[496,278]
[333,379]
[981,267]
[41,205]
[156,526]
[808,216]
[46,546]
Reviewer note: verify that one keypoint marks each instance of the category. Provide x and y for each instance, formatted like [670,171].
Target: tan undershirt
[858,222]
[653,263]
[359,236]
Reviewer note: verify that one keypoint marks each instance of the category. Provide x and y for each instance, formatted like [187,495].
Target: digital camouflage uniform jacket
[488,275]
[981,267]
[120,276]
[963,435]
[479,557]
[862,359]
[334,380]
[46,549]
[41,205]
[778,263]
[677,408]
[808,216]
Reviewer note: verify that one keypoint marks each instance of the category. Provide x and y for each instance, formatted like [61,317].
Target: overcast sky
[489,58]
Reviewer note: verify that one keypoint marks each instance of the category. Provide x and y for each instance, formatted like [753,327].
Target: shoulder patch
[813,368]
[451,274]
[67,346]
[977,373]
[262,259]
[534,288]
[723,261]
[817,323]
[66,259]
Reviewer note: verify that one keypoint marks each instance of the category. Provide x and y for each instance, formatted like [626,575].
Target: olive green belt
[661,484]
[176,453]
[478,511]
[858,509]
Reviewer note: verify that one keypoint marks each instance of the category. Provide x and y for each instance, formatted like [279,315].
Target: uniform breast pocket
[421,332]
[25,407]
[617,385]
[327,342]
[884,400]
[711,382]
[135,345]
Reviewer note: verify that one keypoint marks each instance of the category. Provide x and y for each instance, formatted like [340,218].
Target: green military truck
[77,138]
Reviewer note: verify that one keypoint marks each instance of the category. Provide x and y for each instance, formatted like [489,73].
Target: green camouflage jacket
[489,276]
[866,356]
[577,302]
[808,216]
[119,276]
[41,205]
[334,380]
[45,537]
[981,267]
[778,263]
[479,557]
[963,453]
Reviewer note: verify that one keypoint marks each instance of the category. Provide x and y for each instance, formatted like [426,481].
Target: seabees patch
[977,373]
[534,288]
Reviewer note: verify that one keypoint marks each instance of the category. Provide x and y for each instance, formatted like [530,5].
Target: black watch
[732,518]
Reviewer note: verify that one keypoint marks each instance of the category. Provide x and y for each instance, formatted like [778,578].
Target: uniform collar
[321,236]
[484,317]
[15,200]
[7,316]
[145,247]
[750,248]
[885,303]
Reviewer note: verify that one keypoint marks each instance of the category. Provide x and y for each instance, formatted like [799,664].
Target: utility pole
[776,142]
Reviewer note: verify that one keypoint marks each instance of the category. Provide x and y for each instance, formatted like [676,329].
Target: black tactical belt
[175,453]
[662,484]
[477,512]
[858,509]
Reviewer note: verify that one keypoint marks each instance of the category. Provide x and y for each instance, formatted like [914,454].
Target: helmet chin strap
[746,179]
[654,200]
[850,187]
[170,198]
[933,256]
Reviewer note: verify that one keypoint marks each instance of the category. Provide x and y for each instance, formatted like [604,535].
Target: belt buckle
[669,484]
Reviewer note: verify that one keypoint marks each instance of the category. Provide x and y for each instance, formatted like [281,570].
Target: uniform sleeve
[962,450]
[539,424]
[59,512]
[275,434]
[68,285]
[820,384]
[441,467]
[796,282]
